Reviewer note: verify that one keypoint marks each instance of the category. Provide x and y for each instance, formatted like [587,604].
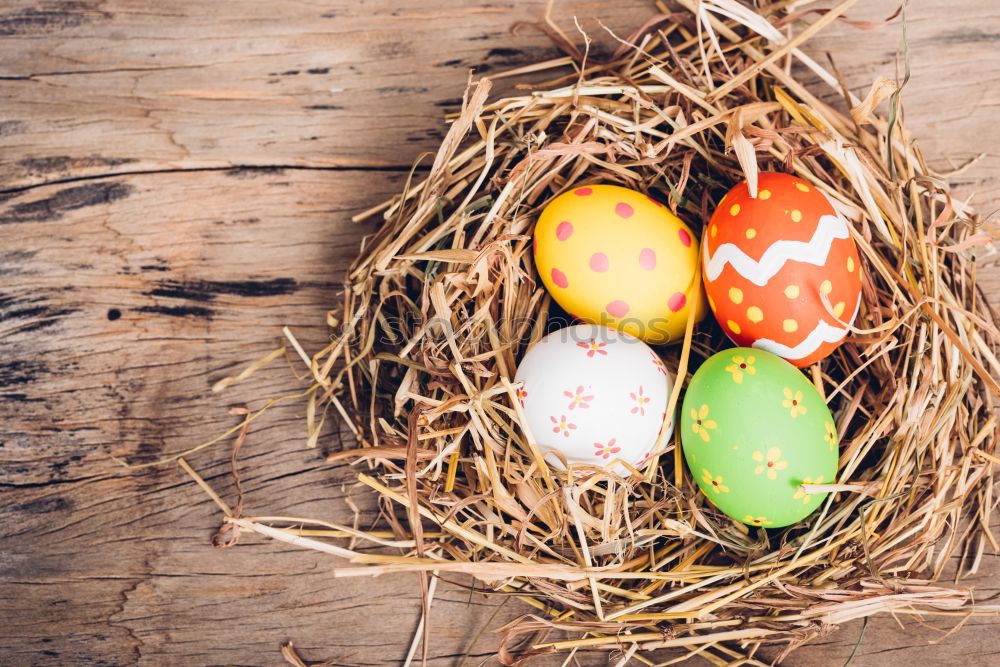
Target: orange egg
[768,262]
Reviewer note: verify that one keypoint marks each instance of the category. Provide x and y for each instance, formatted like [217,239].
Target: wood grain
[176,185]
[330,84]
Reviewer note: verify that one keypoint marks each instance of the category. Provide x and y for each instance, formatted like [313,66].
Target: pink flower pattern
[577,398]
[660,366]
[593,347]
[563,426]
[522,394]
[640,402]
[605,451]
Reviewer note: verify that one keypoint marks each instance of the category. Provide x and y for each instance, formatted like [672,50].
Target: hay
[443,300]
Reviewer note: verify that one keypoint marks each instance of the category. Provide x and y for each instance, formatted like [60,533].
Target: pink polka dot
[599,262]
[559,278]
[617,308]
[624,210]
[534,244]
[654,201]
[564,230]
[647,259]
[583,192]
[677,301]
[685,237]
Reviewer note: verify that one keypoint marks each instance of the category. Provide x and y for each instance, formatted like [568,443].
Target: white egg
[594,395]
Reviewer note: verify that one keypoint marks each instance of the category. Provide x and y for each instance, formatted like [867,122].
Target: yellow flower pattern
[770,463]
[757,520]
[831,434]
[701,424]
[740,367]
[793,402]
[723,487]
[713,482]
[800,494]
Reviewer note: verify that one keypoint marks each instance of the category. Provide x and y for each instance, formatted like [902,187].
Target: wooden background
[176,183]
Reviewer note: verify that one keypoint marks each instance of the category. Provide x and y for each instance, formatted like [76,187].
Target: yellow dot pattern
[735,328]
[850,264]
[751,233]
[736,295]
[764,194]
[792,291]
[790,326]
[802,186]
[838,310]
[755,314]
[796,215]
[713,230]
[826,287]
[734,209]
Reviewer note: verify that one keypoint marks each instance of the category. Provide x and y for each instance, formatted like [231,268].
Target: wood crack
[236,168]
[55,482]
[84,72]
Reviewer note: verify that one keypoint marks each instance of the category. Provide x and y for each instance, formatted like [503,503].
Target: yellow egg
[613,256]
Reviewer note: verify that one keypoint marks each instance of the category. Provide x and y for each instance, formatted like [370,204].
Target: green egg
[754,429]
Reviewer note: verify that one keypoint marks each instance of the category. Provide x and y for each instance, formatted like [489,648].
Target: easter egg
[753,430]
[768,262]
[613,256]
[593,394]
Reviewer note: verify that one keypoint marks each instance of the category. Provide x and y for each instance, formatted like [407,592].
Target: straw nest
[444,299]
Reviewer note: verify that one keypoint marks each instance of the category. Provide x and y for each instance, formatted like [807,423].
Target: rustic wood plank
[334,83]
[140,274]
[115,328]
[104,87]
[101,288]
[124,296]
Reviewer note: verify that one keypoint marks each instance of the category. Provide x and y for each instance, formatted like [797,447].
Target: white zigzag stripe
[822,333]
[815,251]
